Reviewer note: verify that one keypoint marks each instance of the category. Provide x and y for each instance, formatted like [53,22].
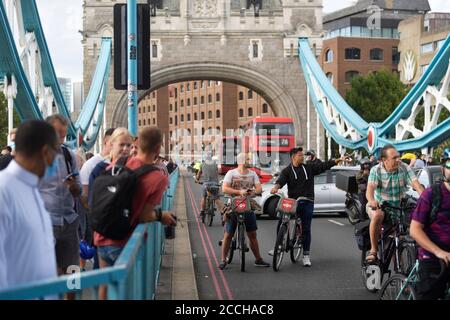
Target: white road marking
[338,223]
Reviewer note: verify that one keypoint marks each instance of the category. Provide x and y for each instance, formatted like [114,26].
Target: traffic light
[121,47]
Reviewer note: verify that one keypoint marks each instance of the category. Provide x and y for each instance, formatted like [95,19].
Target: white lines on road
[338,223]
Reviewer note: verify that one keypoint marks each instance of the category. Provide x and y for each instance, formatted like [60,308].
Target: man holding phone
[58,189]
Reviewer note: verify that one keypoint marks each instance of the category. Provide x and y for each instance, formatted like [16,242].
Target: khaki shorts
[370,212]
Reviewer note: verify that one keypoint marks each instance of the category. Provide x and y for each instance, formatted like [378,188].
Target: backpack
[112,199]
[67,158]
[435,202]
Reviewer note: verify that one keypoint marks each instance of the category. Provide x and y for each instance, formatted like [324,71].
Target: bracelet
[158,213]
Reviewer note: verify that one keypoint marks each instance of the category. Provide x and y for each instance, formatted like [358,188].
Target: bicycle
[400,287]
[395,246]
[212,191]
[289,235]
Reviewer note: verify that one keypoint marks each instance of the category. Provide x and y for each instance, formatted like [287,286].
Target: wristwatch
[158,213]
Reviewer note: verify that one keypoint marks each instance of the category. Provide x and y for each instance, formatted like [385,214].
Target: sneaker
[261,263]
[222,265]
[270,253]
[306,261]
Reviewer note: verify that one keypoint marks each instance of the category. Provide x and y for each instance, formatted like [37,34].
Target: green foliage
[4,120]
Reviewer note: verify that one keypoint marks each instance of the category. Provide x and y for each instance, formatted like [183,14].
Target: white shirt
[27,248]
[87,168]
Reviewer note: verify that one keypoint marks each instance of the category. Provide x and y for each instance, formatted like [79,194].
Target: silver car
[328,198]
[427,177]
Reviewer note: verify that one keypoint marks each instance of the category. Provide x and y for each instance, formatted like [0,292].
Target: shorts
[67,244]
[249,220]
[109,254]
[205,187]
[387,217]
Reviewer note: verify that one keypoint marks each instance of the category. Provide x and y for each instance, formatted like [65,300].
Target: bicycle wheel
[231,251]
[210,215]
[297,244]
[397,288]
[408,256]
[280,247]
[242,244]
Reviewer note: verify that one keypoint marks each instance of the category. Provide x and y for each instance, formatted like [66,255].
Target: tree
[4,120]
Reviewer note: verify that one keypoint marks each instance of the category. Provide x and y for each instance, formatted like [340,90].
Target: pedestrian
[311,157]
[27,251]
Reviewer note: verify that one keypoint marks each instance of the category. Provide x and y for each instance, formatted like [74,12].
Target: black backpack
[112,199]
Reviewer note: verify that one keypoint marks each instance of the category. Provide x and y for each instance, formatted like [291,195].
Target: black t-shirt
[300,180]
[5,160]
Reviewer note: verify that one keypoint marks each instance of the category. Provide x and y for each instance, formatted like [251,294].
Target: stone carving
[205,8]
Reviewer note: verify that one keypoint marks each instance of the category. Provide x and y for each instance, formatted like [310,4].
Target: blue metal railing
[134,276]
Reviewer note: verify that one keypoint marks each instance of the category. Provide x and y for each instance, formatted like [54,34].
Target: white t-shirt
[87,168]
[240,181]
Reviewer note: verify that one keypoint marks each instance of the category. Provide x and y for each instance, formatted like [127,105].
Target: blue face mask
[52,170]
[13,145]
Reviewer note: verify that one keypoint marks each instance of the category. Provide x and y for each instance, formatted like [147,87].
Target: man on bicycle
[210,174]
[300,180]
[242,182]
[388,182]
[430,227]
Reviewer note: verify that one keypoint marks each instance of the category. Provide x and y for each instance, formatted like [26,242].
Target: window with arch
[139,109]
[217,97]
[144,122]
[182,103]
[176,92]
[195,116]
[349,75]
[202,100]
[241,95]
[195,85]
[250,94]
[217,113]
[353,54]
[250,112]
[203,84]
[182,118]
[148,109]
[188,117]
[154,108]
[209,114]
[140,123]
[209,98]
[202,116]
[188,102]
[330,76]
[265,108]
[170,107]
[195,101]
[182,88]
[241,113]
[218,129]
[203,131]
[176,106]
[376,54]
[176,120]
[329,55]
[171,120]
[154,121]
[188,87]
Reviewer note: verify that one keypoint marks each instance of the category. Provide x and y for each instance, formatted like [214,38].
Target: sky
[62,20]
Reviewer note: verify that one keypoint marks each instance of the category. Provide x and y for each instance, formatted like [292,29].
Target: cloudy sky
[62,20]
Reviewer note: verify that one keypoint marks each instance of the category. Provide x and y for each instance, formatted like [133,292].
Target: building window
[241,95]
[176,120]
[250,94]
[154,121]
[195,85]
[210,99]
[426,48]
[154,50]
[154,94]
[218,129]
[140,122]
[352,54]
[217,113]
[376,54]
[176,106]
[203,131]
[265,108]
[182,118]
[176,92]
[329,56]
[209,83]
[188,87]
[171,121]
[188,117]
[182,103]
[202,100]
[349,75]
[426,25]
[217,97]
[202,116]
[139,110]
[395,55]
[250,112]
[170,107]
[144,122]
[241,113]
[154,108]
[255,49]
[330,77]
[209,114]
[203,84]
[182,88]
[195,116]
[188,102]
[195,101]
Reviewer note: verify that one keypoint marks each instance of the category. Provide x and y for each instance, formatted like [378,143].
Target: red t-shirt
[151,187]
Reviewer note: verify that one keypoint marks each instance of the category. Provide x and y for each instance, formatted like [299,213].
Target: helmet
[445,155]
[365,162]
[86,251]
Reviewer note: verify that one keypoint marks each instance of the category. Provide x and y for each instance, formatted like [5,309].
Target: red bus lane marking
[224,280]
[208,258]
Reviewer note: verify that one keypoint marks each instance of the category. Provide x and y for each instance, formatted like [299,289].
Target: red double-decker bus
[269,140]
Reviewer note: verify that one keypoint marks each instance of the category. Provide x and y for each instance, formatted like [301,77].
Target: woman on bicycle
[239,182]
[430,227]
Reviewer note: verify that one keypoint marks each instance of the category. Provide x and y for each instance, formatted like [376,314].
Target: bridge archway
[282,104]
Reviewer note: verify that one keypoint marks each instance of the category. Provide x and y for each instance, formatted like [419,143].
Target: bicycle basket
[213,189]
[240,205]
[287,206]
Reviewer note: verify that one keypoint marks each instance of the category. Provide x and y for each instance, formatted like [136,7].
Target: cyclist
[388,182]
[300,180]
[210,174]
[431,230]
[361,179]
[239,182]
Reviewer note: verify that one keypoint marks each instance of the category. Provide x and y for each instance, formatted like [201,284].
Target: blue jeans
[305,210]
[109,254]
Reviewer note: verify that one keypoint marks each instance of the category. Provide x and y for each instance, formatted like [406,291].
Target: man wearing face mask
[430,227]
[27,250]
[300,180]
[58,190]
